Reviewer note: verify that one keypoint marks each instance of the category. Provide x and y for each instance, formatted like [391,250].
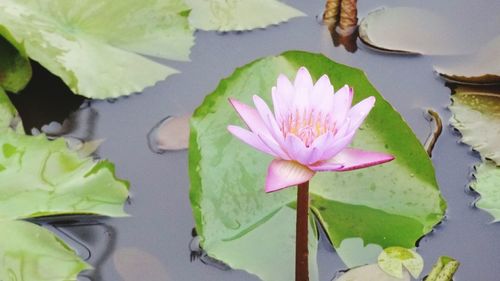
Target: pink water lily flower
[309,131]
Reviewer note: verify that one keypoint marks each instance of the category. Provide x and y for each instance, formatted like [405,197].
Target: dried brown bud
[348,17]
[332,11]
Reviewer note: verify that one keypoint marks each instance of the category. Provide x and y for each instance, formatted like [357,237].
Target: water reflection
[197,252]
[92,239]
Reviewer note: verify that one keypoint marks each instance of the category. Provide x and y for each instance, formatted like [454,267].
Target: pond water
[157,237]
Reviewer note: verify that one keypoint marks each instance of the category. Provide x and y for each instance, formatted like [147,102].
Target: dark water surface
[161,222]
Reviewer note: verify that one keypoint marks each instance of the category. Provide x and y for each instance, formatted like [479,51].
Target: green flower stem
[301,242]
[443,270]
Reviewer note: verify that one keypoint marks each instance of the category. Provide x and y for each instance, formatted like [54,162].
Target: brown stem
[301,241]
[438,128]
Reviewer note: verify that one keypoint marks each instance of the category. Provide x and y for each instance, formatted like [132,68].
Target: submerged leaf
[410,30]
[370,272]
[476,114]
[393,259]
[15,68]
[355,253]
[170,134]
[238,15]
[39,177]
[92,46]
[32,253]
[389,205]
[133,264]
[480,68]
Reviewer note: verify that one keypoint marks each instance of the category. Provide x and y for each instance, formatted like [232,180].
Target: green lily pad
[476,114]
[486,183]
[39,177]
[389,205]
[393,259]
[15,68]
[95,47]
[238,15]
[32,253]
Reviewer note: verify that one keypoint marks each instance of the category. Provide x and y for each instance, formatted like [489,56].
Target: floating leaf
[486,183]
[238,15]
[393,259]
[480,68]
[388,205]
[92,46]
[39,177]
[370,272]
[410,30]
[32,253]
[476,114]
[15,68]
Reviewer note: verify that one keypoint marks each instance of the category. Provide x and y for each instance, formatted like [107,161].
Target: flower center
[307,125]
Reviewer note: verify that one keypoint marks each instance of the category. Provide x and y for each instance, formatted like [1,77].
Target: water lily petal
[250,139]
[322,95]
[326,166]
[250,116]
[318,147]
[276,148]
[358,113]
[297,149]
[342,101]
[282,96]
[352,159]
[268,117]
[337,145]
[282,173]
[303,79]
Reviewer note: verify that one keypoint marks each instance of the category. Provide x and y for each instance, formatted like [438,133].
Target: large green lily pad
[32,253]
[238,15]
[94,46]
[388,205]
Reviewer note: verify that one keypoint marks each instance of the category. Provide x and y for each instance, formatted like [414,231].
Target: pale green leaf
[238,15]
[476,114]
[393,259]
[39,177]
[93,45]
[487,184]
[31,253]
[390,205]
